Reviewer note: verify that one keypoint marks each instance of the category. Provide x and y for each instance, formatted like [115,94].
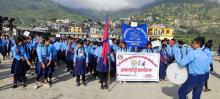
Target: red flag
[105,43]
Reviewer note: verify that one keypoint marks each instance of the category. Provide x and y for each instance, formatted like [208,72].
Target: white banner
[137,66]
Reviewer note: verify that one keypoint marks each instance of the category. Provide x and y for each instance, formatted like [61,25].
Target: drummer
[196,61]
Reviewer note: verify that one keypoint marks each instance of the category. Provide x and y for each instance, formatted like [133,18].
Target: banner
[156,43]
[135,36]
[137,66]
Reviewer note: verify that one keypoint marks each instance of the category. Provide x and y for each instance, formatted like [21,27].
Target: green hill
[199,17]
[30,12]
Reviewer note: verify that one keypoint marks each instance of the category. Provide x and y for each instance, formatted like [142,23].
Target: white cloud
[104,5]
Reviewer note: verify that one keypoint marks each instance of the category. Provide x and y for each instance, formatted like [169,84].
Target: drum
[177,74]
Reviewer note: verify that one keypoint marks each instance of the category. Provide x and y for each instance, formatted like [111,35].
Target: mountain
[30,12]
[100,15]
[195,17]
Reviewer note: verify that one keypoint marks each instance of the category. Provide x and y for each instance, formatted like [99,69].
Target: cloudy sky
[104,5]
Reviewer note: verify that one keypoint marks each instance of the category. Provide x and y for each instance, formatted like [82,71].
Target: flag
[105,43]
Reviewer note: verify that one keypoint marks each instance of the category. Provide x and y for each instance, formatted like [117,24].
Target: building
[65,21]
[100,35]
[93,30]
[76,29]
[160,32]
[20,31]
[73,34]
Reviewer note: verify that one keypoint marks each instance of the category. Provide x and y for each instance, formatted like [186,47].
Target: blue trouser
[195,83]
[162,71]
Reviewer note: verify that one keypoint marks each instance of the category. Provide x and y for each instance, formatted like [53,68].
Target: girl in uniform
[102,68]
[69,54]
[81,61]
[18,67]
[148,48]
[207,50]
[164,59]
[43,66]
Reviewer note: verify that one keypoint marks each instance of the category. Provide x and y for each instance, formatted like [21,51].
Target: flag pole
[109,73]
[109,65]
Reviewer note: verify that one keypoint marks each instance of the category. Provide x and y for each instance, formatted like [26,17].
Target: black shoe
[102,87]
[71,72]
[78,84]
[14,86]
[106,86]
[84,84]
[23,84]
[50,82]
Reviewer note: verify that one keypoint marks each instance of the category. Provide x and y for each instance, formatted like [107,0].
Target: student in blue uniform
[69,55]
[164,59]
[1,46]
[113,62]
[123,48]
[43,66]
[171,49]
[33,55]
[114,46]
[207,50]
[148,48]
[81,61]
[8,45]
[92,60]
[113,51]
[101,68]
[198,64]
[4,49]
[27,50]
[63,49]
[18,67]
[182,47]
[58,46]
[52,51]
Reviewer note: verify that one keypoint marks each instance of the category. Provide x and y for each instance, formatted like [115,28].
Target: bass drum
[177,74]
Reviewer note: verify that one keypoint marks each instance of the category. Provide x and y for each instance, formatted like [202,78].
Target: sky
[104,5]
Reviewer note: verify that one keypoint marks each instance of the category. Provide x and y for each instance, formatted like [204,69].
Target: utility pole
[1,25]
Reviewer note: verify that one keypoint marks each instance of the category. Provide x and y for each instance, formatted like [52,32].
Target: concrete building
[160,32]
[76,29]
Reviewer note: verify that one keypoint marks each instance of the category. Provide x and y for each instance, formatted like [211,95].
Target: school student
[148,48]
[81,61]
[4,49]
[69,54]
[18,68]
[58,46]
[92,61]
[207,50]
[164,59]
[198,64]
[63,50]
[102,68]
[43,66]
[123,48]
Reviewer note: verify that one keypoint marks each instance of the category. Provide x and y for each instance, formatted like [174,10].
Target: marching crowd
[84,56]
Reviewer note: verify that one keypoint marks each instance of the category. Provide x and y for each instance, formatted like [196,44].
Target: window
[167,31]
